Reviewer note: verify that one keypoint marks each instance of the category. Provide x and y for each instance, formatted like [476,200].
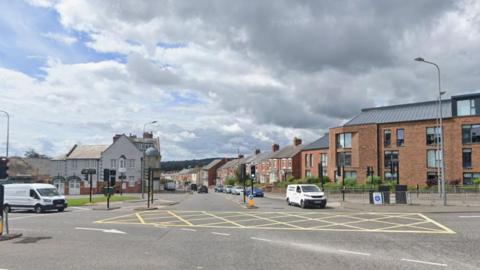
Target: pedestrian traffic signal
[112,177]
[3,168]
[106,175]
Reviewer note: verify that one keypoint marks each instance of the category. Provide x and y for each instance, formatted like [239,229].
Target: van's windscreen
[48,192]
[310,189]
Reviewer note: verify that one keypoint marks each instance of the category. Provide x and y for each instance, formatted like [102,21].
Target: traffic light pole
[8,130]
[91,188]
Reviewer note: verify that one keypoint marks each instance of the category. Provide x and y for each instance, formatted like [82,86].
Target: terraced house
[285,163]
[406,136]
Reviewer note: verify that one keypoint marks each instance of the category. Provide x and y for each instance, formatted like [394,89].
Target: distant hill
[182,164]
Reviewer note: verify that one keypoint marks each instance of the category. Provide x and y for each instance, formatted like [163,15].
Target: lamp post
[8,130]
[143,172]
[440,122]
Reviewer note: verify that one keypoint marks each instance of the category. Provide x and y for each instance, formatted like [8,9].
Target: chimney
[297,141]
[257,151]
[275,147]
[116,137]
[148,135]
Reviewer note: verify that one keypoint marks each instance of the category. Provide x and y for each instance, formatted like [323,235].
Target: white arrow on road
[101,230]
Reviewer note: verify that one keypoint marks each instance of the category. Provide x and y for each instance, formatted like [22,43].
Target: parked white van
[305,195]
[39,197]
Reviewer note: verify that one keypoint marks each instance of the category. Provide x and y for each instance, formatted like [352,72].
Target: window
[387,137]
[87,163]
[466,107]
[467,158]
[390,159]
[344,159]
[306,161]
[122,163]
[94,163]
[471,134]
[131,163]
[432,178]
[433,158]
[469,177]
[131,181]
[388,176]
[324,161]
[351,175]
[400,137]
[344,140]
[308,173]
[433,135]
[113,163]
[311,160]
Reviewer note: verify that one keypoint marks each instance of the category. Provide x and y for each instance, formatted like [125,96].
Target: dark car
[218,189]
[203,189]
[193,187]
[257,192]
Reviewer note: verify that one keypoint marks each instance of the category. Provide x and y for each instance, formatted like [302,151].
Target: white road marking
[80,208]
[218,233]
[354,252]
[190,230]
[261,239]
[424,262]
[101,230]
[469,216]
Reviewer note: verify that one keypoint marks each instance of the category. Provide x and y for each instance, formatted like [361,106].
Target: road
[213,231]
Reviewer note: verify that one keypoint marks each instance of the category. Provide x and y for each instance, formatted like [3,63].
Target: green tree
[31,153]
[476,181]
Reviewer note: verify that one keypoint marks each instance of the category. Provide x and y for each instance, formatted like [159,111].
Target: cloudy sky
[221,75]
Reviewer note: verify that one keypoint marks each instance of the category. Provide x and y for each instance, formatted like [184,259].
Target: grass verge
[97,199]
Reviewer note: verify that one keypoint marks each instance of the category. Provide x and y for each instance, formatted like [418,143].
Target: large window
[387,137]
[344,140]
[351,175]
[390,159]
[433,135]
[344,159]
[324,161]
[467,107]
[400,137]
[113,163]
[467,158]
[471,134]
[388,176]
[433,158]
[469,177]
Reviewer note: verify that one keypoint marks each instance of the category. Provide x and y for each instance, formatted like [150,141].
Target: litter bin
[401,194]
[386,193]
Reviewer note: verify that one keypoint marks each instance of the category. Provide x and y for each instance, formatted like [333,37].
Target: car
[257,192]
[193,187]
[170,186]
[203,189]
[237,190]
[228,189]
[39,197]
[218,188]
[305,195]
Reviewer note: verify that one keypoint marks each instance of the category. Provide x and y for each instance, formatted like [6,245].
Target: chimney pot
[297,141]
[257,151]
[275,147]
[148,135]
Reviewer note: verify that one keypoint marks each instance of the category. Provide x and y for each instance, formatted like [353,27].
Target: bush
[476,181]
[350,182]
[230,181]
[331,186]
[312,180]
[374,181]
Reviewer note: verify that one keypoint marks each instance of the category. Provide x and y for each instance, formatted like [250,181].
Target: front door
[60,185]
[74,187]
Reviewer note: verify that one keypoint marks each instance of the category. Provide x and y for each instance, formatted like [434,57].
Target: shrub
[374,180]
[331,186]
[476,181]
[312,180]
[230,181]
[350,182]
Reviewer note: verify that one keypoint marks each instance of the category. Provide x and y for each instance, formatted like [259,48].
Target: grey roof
[212,164]
[261,157]
[402,113]
[87,152]
[232,163]
[321,143]
[288,151]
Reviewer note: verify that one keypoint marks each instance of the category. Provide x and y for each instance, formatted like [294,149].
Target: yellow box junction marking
[304,221]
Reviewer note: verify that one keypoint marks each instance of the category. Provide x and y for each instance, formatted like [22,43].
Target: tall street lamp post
[143,171]
[8,130]
[440,110]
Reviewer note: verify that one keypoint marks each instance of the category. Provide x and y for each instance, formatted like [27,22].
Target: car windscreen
[310,189]
[48,192]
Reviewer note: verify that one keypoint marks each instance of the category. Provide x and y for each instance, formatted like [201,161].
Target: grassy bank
[97,199]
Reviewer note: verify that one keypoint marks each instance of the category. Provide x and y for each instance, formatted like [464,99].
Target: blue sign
[250,197]
[377,198]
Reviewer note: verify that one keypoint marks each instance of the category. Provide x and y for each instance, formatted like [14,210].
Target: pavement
[214,231]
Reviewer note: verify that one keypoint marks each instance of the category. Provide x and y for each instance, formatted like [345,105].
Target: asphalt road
[274,236]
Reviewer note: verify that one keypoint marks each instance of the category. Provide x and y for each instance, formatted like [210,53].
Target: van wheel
[288,201]
[38,209]
[61,209]
[7,208]
[302,204]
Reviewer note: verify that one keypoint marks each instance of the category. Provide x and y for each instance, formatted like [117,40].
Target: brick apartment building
[263,166]
[314,153]
[405,135]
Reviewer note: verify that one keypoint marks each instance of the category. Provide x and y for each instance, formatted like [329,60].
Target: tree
[31,153]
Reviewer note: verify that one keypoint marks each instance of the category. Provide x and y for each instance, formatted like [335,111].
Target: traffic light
[3,168]
[106,175]
[243,172]
[113,177]
[85,177]
[253,172]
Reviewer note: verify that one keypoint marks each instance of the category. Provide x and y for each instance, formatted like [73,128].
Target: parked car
[203,189]
[237,190]
[39,197]
[218,188]
[305,195]
[228,189]
[193,187]
[170,186]
[257,192]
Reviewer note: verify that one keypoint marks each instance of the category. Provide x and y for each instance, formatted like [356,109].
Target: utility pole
[8,131]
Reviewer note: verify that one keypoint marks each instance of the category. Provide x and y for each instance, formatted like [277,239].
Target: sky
[221,77]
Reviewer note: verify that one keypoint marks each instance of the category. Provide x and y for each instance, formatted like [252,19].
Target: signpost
[378,198]
[88,173]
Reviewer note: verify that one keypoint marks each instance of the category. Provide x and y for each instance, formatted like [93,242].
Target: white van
[305,195]
[39,197]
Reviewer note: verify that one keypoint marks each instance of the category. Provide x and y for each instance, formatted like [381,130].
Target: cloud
[69,40]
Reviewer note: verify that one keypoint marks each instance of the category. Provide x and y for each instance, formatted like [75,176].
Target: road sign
[377,197]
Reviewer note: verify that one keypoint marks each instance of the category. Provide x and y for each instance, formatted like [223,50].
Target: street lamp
[442,161]
[143,172]
[8,130]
